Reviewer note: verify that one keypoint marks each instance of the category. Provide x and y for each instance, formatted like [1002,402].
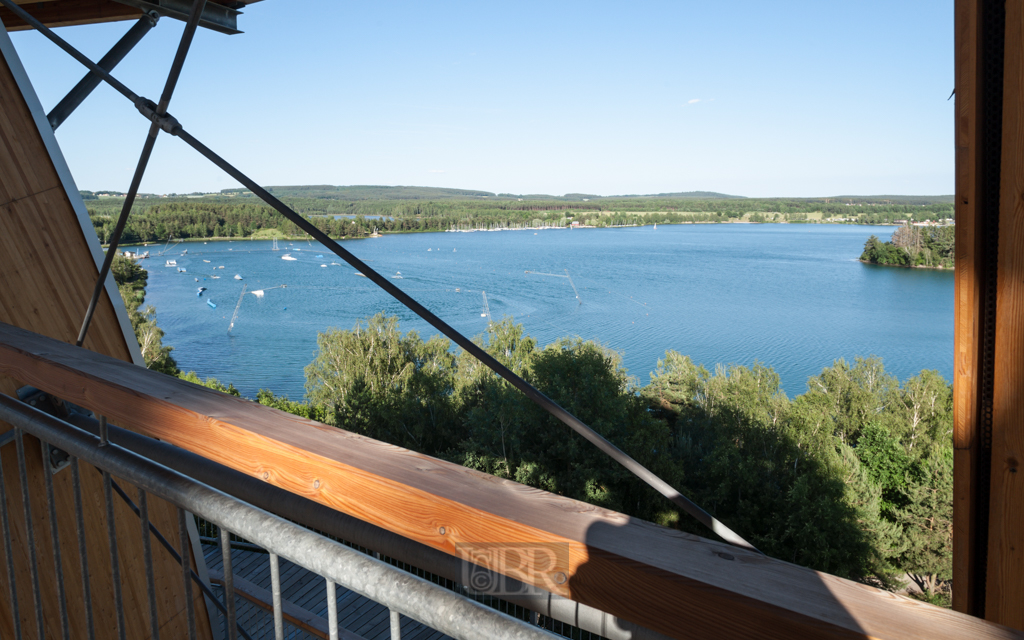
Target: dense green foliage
[347,212]
[131,282]
[852,477]
[913,247]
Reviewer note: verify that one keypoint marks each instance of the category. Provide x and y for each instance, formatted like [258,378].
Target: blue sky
[748,98]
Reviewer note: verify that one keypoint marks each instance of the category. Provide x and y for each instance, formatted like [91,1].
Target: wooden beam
[678,584]
[968,312]
[64,13]
[1004,591]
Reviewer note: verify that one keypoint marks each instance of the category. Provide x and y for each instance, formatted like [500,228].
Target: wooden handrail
[678,584]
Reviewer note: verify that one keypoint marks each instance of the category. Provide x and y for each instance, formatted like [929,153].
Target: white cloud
[694,101]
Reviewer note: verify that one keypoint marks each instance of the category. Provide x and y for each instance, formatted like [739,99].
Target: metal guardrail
[402,592]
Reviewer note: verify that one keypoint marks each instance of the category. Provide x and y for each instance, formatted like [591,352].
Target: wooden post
[988,555]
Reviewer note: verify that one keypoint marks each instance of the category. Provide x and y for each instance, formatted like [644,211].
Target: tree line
[160,220]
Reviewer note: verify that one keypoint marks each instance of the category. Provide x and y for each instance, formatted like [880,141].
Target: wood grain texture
[967,314]
[1004,599]
[47,273]
[677,584]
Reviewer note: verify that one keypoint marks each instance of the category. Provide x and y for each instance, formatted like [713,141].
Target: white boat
[205,260]
[238,277]
[324,266]
[360,275]
[171,263]
[288,257]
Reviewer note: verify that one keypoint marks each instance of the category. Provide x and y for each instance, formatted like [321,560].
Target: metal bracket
[59,459]
[215,16]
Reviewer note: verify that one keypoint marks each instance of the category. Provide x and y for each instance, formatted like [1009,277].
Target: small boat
[171,263]
[319,255]
[324,266]
[454,250]
[215,277]
[186,251]
[196,279]
[429,249]
[182,270]
[221,267]
[288,257]
[206,261]
[238,277]
[360,275]
[200,292]
[210,302]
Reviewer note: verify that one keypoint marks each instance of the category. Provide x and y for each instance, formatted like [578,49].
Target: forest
[355,212]
[853,477]
[912,246]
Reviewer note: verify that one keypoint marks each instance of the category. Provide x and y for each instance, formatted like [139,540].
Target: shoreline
[408,231]
[906,266]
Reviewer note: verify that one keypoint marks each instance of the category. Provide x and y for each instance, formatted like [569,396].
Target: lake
[789,295]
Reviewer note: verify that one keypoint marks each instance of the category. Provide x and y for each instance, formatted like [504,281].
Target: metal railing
[399,591]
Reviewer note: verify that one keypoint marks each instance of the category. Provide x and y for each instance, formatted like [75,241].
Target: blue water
[791,296]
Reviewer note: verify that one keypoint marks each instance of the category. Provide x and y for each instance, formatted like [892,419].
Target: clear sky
[752,98]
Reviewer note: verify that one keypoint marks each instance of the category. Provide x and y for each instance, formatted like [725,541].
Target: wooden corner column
[988,540]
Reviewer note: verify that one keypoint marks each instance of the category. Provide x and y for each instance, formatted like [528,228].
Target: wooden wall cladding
[47,273]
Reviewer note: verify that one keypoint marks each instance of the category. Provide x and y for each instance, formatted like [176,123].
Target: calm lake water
[791,296]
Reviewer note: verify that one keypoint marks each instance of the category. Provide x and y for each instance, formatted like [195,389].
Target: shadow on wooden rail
[675,583]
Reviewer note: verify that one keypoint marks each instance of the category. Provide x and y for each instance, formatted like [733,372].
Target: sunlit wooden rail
[678,584]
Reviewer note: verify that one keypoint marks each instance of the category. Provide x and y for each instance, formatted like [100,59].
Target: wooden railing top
[678,584]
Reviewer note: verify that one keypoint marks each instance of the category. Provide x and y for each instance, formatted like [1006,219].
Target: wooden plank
[967,315]
[294,614]
[1004,592]
[49,270]
[677,584]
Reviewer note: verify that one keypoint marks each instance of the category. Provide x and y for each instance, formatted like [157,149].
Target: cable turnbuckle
[167,122]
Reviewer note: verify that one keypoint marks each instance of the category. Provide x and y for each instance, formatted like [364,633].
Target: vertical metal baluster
[10,555]
[82,548]
[186,571]
[115,566]
[396,625]
[19,439]
[332,610]
[147,554]
[229,584]
[275,585]
[58,565]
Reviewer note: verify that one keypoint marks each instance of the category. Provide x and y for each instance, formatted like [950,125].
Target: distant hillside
[367,192]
